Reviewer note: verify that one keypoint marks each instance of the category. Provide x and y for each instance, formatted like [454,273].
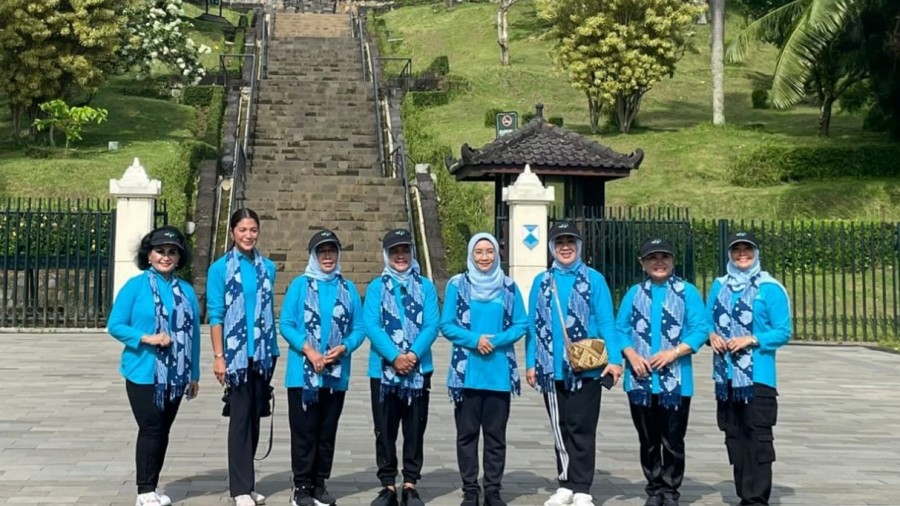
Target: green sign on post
[507,122]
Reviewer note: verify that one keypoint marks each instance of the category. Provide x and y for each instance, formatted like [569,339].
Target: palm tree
[809,34]
[718,60]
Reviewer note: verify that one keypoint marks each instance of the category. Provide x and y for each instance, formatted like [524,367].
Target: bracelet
[219,355]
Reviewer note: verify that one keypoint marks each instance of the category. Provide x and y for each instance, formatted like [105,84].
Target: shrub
[490,116]
[429,98]
[440,66]
[528,116]
[214,117]
[156,87]
[555,120]
[197,96]
[773,164]
[458,85]
[760,99]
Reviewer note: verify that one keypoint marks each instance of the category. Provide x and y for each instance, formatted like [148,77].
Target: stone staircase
[315,151]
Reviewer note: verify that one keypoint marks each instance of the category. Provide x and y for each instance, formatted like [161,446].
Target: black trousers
[153,433]
[750,442]
[387,417]
[661,434]
[573,422]
[481,411]
[313,434]
[247,402]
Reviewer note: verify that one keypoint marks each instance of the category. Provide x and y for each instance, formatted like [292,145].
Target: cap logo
[169,234]
[741,234]
[326,234]
[655,241]
[564,225]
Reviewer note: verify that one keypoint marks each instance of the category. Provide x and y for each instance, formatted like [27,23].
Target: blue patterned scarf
[341,317]
[173,363]
[640,389]
[403,332]
[736,322]
[456,380]
[235,327]
[577,317]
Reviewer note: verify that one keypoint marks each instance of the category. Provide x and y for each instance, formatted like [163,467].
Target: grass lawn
[686,157]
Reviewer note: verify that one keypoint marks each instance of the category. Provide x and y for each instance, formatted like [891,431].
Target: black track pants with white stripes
[573,422]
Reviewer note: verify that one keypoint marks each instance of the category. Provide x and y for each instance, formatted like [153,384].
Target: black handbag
[264,410]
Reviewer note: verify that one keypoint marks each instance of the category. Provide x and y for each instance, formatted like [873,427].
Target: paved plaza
[67,434]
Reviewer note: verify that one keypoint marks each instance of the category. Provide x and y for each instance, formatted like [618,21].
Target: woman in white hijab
[483,316]
[322,322]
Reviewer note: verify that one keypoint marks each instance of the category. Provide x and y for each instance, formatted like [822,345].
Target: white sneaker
[562,497]
[259,499]
[244,500]
[148,499]
[164,500]
[582,500]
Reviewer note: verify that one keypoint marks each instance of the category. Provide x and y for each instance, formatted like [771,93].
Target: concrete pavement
[67,434]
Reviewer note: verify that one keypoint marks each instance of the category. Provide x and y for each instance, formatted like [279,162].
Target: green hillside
[686,157]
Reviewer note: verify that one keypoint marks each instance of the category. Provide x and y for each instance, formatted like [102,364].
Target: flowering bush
[157,32]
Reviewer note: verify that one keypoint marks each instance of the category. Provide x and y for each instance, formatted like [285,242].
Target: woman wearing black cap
[402,320]
[661,322]
[572,399]
[751,319]
[239,301]
[156,316]
[321,320]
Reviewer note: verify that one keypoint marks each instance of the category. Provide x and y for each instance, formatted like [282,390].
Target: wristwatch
[219,355]
[754,341]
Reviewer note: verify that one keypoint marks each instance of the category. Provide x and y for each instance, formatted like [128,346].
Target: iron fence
[55,262]
[843,279]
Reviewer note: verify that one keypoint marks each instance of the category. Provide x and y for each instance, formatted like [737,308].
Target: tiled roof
[543,144]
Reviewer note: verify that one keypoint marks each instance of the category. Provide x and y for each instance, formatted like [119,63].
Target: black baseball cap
[167,235]
[564,228]
[746,237]
[396,237]
[322,237]
[656,245]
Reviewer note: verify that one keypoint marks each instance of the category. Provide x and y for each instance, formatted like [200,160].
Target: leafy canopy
[616,50]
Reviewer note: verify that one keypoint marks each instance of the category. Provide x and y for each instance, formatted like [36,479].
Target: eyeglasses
[330,252]
[171,252]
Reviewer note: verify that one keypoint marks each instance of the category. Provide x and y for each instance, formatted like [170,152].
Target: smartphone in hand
[607,381]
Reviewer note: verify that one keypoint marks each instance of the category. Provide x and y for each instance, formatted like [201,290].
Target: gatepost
[135,196]
[528,200]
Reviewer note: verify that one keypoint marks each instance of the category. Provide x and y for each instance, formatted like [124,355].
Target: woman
[483,317]
[242,328]
[572,399]
[401,319]
[751,318]
[661,323]
[156,316]
[321,320]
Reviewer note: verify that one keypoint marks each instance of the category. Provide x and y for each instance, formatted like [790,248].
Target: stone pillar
[135,196]
[528,201]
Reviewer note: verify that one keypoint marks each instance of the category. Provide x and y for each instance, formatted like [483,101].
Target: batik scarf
[672,323]
[235,328]
[459,356]
[341,317]
[577,318]
[173,362]
[402,331]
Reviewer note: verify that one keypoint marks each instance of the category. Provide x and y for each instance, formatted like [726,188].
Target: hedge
[428,98]
[440,66]
[774,164]
[215,116]
[197,96]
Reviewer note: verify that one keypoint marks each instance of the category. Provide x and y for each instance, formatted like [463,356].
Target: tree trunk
[594,112]
[53,141]
[718,61]
[825,115]
[502,32]
[15,112]
[627,109]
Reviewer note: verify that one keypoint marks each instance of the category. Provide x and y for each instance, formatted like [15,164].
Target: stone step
[286,86]
[309,44]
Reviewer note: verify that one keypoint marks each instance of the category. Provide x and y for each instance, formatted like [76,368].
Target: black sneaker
[492,498]
[470,498]
[411,497]
[322,497]
[303,497]
[386,497]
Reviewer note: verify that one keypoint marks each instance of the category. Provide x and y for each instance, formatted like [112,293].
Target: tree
[156,32]
[820,43]
[718,60]
[616,50]
[68,120]
[55,48]
[502,30]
